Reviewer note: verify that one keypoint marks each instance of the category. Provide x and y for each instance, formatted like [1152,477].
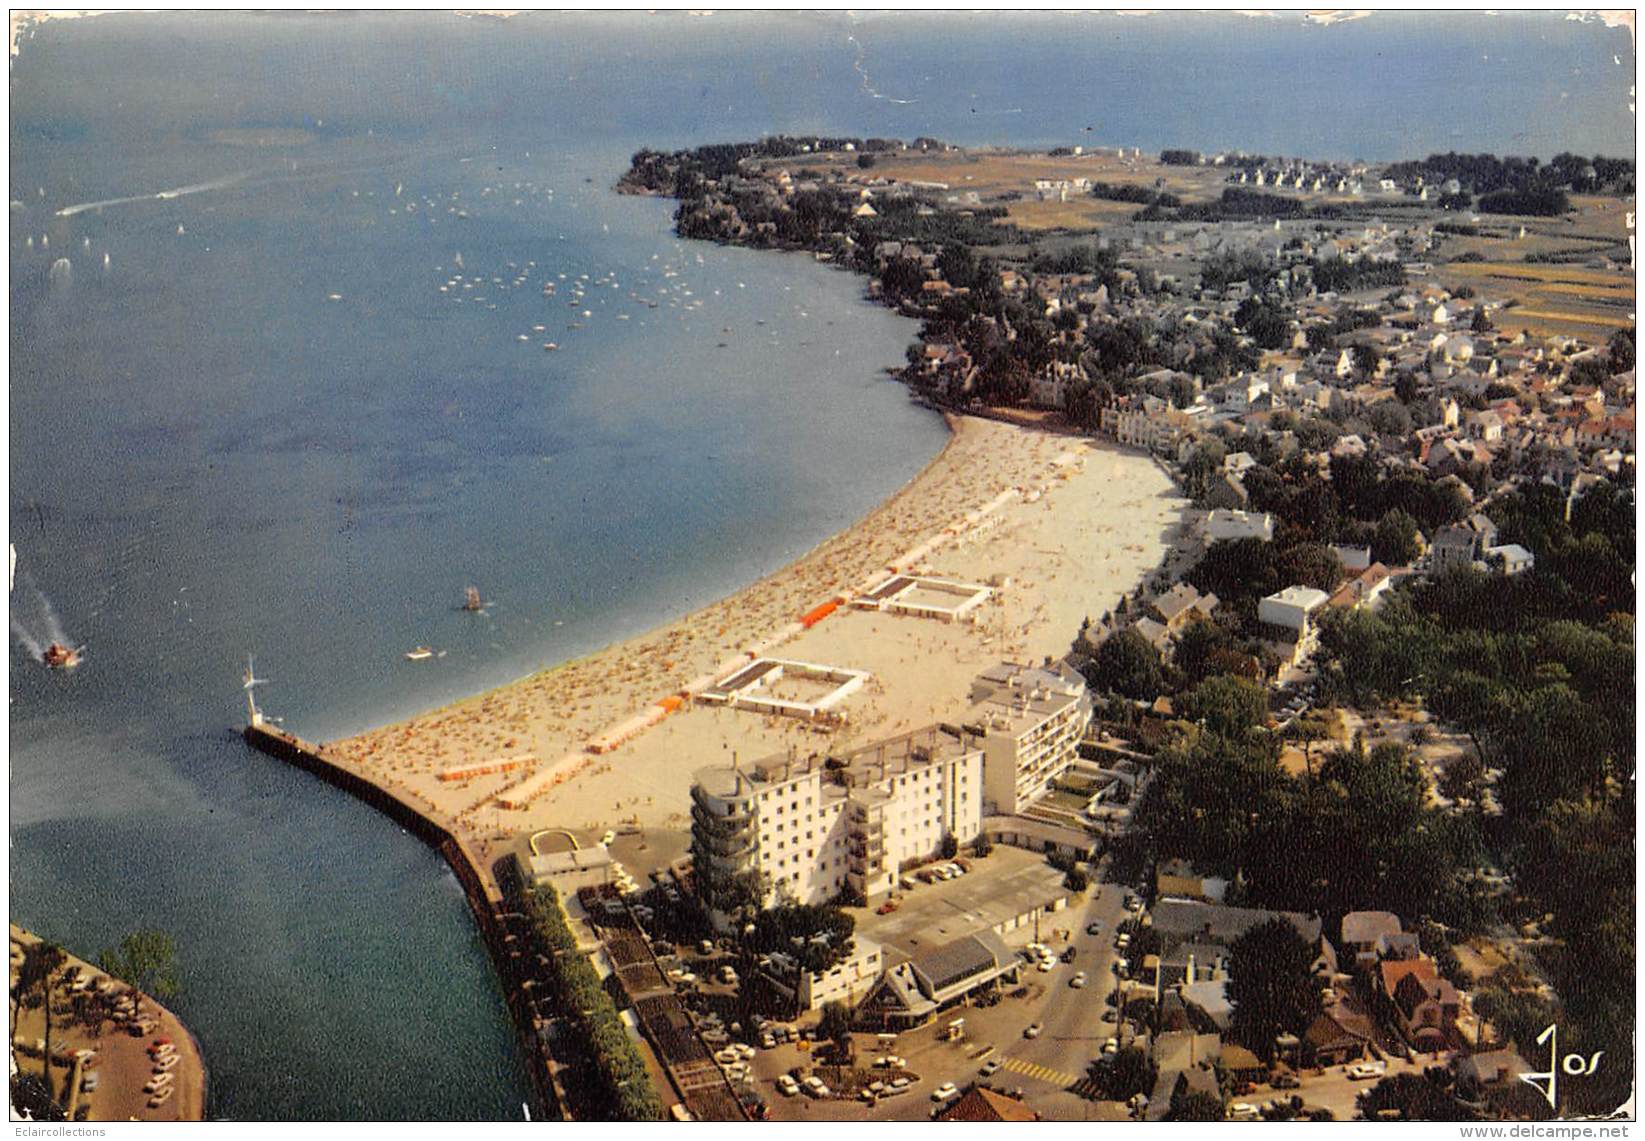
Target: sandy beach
[1059,525]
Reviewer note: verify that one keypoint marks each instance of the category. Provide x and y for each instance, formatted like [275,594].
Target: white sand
[1076,536]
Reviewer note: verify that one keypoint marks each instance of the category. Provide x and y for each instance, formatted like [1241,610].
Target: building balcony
[710,823]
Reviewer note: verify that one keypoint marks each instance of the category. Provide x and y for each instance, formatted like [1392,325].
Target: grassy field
[1078,213]
[1579,300]
[1552,299]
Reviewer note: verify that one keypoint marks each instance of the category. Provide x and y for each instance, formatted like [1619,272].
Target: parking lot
[1049,1069]
[1008,883]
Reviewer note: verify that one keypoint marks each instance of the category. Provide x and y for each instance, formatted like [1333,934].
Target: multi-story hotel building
[815,827]
[1029,722]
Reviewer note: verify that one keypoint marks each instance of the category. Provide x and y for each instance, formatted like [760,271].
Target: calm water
[212,457]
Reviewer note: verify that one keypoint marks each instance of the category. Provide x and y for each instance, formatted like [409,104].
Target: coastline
[991,480]
[1060,525]
[993,497]
[121,1061]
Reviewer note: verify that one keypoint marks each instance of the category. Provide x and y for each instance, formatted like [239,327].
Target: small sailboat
[419,654]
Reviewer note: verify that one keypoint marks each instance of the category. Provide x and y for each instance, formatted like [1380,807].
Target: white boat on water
[419,654]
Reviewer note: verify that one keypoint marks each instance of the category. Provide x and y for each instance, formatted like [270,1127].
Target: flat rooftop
[854,768]
[1006,884]
[780,685]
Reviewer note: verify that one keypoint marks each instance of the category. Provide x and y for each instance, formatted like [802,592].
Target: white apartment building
[1289,614]
[1291,608]
[1223,523]
[1030,722]
[815,826]
[847,981]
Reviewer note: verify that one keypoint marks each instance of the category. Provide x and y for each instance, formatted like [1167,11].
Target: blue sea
[263,428]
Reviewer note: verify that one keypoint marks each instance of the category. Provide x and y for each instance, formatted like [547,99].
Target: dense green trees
[1357,837]
[1414,1097]
[1539,670]
[1221,270]
[1541,201]
[1227,705]
[818,936]
[626,1089]
[1236,569]
[37,978]
[1271,985]
[1195,1106]
[1309,564]
[1126,664]
[1266,322]
[1395,541]
[1121,1075]
[1335,275]
[146,960]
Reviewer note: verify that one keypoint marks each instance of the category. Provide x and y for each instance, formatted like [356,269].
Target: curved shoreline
[590,695]
[447,774]
[986,474]
[951,421]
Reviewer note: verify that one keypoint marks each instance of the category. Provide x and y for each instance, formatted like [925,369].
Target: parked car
[814,1086]
[1242,1111]
[944,1092]
[1032,1030]
[1068,955]
[887,907]
[1364,1071]
[1094,927]
[989,1068]
[1285,1081]
[1078,981]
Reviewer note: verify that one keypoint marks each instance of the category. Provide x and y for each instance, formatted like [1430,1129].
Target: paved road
[1334,1089]
[1043,1068]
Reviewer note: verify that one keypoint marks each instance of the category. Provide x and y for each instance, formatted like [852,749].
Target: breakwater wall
[485,902]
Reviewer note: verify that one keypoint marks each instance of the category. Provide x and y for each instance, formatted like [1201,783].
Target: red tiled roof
[1393,970]
[986,1105]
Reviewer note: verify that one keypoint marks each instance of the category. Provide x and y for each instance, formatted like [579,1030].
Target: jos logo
[1547,1083]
